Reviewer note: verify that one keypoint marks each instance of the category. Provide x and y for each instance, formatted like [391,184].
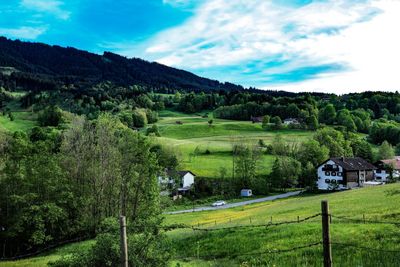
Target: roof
[353,164]
[394,162]
[179,173]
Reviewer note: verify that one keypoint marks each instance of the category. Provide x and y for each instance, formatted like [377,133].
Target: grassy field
[255,246]
[195,134]
[23,121]
[228,247]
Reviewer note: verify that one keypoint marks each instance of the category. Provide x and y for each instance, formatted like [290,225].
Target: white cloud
[48,6]
[23,32]
[371,49]
[360,35]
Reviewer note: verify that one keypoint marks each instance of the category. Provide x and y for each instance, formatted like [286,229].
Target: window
[378,178]
[327,181]
[333,173]
[378,171]
[333,181]
[327,173]
[339,173]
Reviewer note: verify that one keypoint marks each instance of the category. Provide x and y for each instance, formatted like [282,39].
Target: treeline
[55,185]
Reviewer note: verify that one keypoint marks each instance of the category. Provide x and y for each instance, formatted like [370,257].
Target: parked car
[218,203]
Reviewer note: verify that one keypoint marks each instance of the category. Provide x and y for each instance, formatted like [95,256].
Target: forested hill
[70,65]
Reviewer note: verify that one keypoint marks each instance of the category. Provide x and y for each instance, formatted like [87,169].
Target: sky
[336,46]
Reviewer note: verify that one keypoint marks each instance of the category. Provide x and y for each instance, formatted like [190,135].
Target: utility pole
[326,237]
[124,243]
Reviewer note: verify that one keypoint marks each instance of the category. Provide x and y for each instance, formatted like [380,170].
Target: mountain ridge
[82,66]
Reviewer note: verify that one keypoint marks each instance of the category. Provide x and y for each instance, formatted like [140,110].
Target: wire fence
[212,226]
[337,220]
[363,220]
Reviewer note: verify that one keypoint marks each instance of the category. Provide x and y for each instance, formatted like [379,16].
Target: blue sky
[296,45]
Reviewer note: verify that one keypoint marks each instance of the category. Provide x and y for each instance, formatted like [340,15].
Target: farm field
[194,134]
[373,243]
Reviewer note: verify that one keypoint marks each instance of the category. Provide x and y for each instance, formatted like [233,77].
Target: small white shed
[246,193]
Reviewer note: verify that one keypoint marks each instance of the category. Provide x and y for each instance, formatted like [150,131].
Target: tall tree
[386,151]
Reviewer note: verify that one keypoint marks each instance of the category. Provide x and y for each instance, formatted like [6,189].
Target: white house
[382,174]
[344,173]
[289,121]
[184,180]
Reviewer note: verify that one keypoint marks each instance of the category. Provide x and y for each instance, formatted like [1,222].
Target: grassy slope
[218,139]
[378,203]
[50,256]
[23,121]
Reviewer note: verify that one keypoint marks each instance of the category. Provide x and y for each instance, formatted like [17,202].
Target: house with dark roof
[387,169]
[344,173]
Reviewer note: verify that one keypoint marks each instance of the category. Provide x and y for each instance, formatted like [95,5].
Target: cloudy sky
[297,45]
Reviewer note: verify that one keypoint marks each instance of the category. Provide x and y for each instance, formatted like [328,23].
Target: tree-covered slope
[73,65]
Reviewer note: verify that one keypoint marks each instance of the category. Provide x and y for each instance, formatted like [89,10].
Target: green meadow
[372,244]
[23,121]
[214,143]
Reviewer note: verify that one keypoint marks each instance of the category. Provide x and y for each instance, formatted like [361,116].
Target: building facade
[344,173]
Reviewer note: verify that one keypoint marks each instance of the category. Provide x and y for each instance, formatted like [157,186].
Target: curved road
[237,204]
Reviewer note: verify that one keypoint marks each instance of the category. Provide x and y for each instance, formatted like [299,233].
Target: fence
[326,219]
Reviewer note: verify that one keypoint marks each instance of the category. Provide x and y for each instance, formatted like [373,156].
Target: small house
[246,193]
[386,168]
[291,121]
[256,119]
[182,181]
[344,173]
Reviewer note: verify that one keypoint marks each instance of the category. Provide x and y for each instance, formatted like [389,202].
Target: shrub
[51,116]
[153,130]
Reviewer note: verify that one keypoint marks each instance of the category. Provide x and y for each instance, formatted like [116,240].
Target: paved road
[237,204]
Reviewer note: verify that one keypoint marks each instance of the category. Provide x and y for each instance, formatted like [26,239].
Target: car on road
[218,203]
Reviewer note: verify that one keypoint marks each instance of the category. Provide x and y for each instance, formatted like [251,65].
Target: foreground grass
[52,255]
[248,246]
[215,247]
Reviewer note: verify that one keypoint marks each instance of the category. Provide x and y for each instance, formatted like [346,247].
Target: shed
[246,193]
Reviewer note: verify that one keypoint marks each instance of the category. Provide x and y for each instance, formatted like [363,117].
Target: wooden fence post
[124,243]
[298,219]
[326,238]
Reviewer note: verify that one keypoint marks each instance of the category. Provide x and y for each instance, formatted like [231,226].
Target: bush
[50,116]
[153,130]
[139,118]
[144,249]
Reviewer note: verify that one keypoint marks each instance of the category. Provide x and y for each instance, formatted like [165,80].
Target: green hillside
[195,134]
